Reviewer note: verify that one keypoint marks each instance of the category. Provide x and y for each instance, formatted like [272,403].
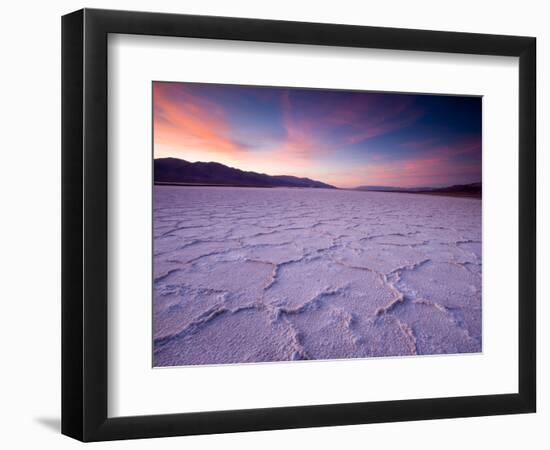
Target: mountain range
[472,189]
[179,171]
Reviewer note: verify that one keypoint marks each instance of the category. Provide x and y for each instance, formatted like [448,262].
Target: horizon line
[313,179]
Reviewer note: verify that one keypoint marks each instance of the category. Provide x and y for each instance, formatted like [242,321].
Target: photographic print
[314,224]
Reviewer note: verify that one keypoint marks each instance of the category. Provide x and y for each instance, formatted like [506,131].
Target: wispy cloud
[434,163]
[328,126]
[184,121]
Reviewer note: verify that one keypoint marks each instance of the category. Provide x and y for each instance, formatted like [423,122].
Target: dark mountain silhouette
[179,171]
[470,190]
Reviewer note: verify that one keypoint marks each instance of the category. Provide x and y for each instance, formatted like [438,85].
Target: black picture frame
[84,224]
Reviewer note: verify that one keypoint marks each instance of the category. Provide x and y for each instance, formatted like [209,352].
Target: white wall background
[30,228]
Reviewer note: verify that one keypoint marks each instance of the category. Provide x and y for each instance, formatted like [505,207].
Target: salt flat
[259,274]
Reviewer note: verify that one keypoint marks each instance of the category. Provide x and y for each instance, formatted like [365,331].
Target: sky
[344,138]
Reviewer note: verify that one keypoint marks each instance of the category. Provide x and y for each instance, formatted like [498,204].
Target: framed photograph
[273,224]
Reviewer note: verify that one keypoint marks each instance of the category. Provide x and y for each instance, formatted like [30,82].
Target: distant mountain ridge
[471,189]
[180,171]
[390,189]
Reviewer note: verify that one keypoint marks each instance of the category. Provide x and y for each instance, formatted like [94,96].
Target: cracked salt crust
[257,275]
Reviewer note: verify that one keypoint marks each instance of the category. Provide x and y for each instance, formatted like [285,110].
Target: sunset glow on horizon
[344,138]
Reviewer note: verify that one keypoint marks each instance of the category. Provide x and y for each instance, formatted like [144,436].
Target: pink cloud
[434,164]
[182,121]
[369,117]
[331,125]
